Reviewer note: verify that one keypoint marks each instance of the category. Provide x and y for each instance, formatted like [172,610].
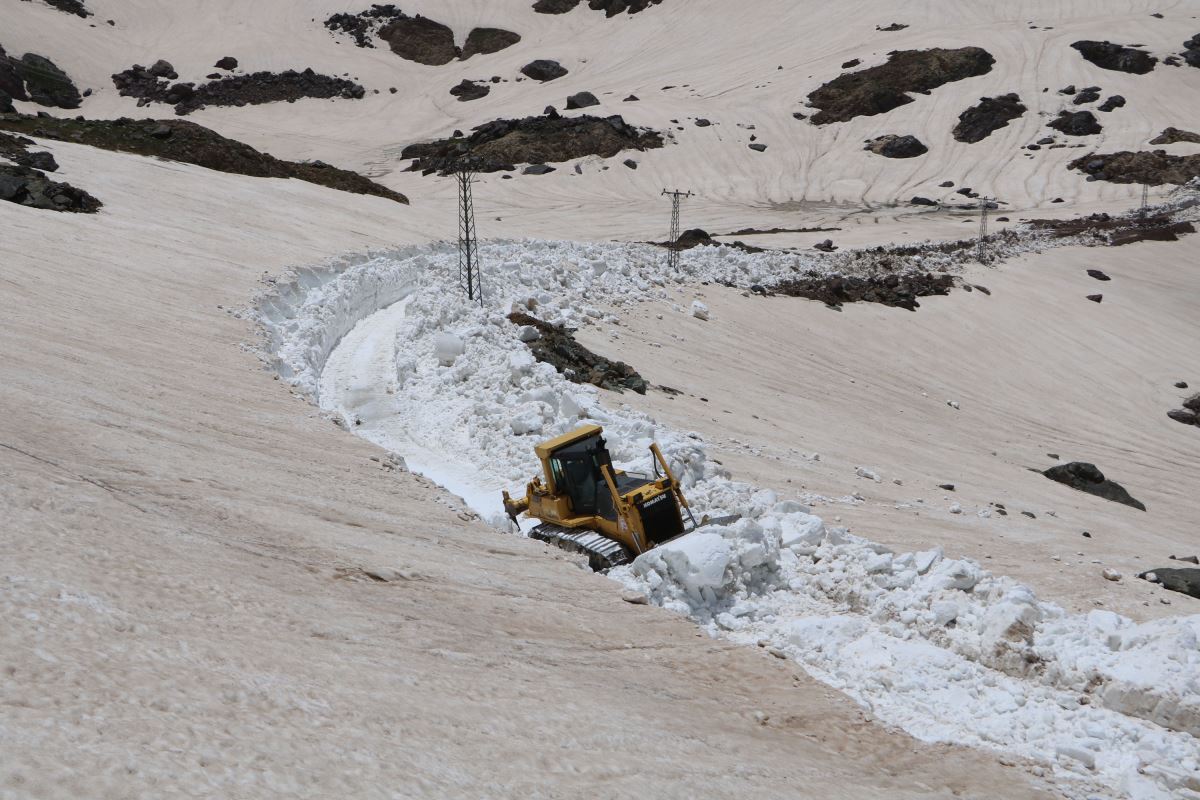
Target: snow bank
[933,644]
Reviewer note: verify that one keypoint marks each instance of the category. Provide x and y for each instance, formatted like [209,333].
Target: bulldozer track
[603,553]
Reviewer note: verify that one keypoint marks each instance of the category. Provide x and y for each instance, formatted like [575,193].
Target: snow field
[934,645]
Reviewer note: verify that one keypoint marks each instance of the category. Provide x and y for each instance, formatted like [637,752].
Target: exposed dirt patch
[503,143]
[1117,231]
[610,7]
[556,345]
[991,114]
[149,85]
[1087,478]
[1174,135]
[31,187]
[1155,167]
[1116,57]
[877,90]
[178,140]
[37,79]
[900,290]
[75,7]
[417,38]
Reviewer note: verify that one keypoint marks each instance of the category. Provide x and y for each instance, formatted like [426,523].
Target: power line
[469,273]
[673,242]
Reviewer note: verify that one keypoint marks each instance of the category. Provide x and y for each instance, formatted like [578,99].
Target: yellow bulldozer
[584,504]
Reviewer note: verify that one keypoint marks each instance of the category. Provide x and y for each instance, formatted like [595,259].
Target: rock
[227,63]
[1098,275]
[949,487]
[1113,103]
[528,333]
[1029,514]
[543,70]
[482,41]
[879,89]
[1174,135]
[895,26]
[234,90]
[699,310]
[581,100]
[1110,574]
[1076,123]
[556,346]
[758,147]
[1185,580]
[30,187]
[635,597]
[383,574]
[1086,477]
[163,69]
[537,169]
[1184,416]
[1095,298]
[629,162]
[633,98]
[946,184]
[1181,384]
[992,113]
[1089,94]
[826,246]
[6,103]
[851,64]
[1119,58]
[469,90]
[39,160]
[420,39]
[1069,89]
[1154,167]
[922,201]
[701,122]
[43,82]
[896,290]
[893,146]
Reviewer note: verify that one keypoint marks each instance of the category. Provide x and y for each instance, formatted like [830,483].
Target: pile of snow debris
[932,644]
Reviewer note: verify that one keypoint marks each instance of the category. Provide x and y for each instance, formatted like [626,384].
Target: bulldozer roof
[545,449]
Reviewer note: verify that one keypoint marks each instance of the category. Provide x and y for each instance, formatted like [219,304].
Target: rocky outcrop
[420,39]
[75,7]
[893,146]
[227,63]
[900,290]
[877,90]
[610,7]
[177,140]
[555,345]
[501,144]
[1086,477]
[470,90]
[991,114]
[482,41]
[1154,167]
[543,69]
[1106,229]
[1190,413]
[30,187]
[1174,135]
[1191,51]
[37,79]
[235,90]
[1185,580]
[1118,58]
[1076,123]
[1112,103]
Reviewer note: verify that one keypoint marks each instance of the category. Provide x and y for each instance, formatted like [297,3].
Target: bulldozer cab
[576,470]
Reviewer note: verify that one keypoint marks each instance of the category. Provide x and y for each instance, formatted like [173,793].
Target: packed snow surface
[933,644]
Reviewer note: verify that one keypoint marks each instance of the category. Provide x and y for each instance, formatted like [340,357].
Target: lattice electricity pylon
[980,250]
[672,243]
[1145,207]
[470,277]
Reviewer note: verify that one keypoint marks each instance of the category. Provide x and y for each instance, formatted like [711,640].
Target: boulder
[46,84]
[1177,579]
[1086,95]
[163,69]
[482,41]
[1098,275]
[581,100]
[989,115]
[893,146]
[537,169]
[1173,135]
[469,90]
[758,147]
[1088,478]
[543,70]
[1112,103]
[1118,58]
[227,63]
[1076,123]
[30,187]
[420,39]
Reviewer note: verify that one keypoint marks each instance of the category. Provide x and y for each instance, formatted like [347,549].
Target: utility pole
[672,248]
[1145,207]
[980,253]
[469,277]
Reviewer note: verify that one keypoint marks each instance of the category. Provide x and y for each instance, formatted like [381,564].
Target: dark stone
[163,69]
[1098,275]
[1069,89]
[537,169]
[543,70]
[922,201]
[1119,58]
[851,64]
[633,98]
[1181,384]
[1185,580]
[1112,103]
[893,146]
[758,147]
[469,90]
[1185,416]
[1173,135]
[420,39]
[75,7]
[825,246]
[992,113]
[702,123]
[1095,298]
[482,41]
[39,160]
[6,103]
[581,100]
[1154,167]
[234,90]
[29,187]
[1076,123]
[1193,403]
[895,26]
[227,63]
[610,7]
[1087,95]
[44,83]
[1029,514]
[880,89]
[629,162]
[1086,477]
[949,487]
[946,184]
[556,346]
[896,289]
